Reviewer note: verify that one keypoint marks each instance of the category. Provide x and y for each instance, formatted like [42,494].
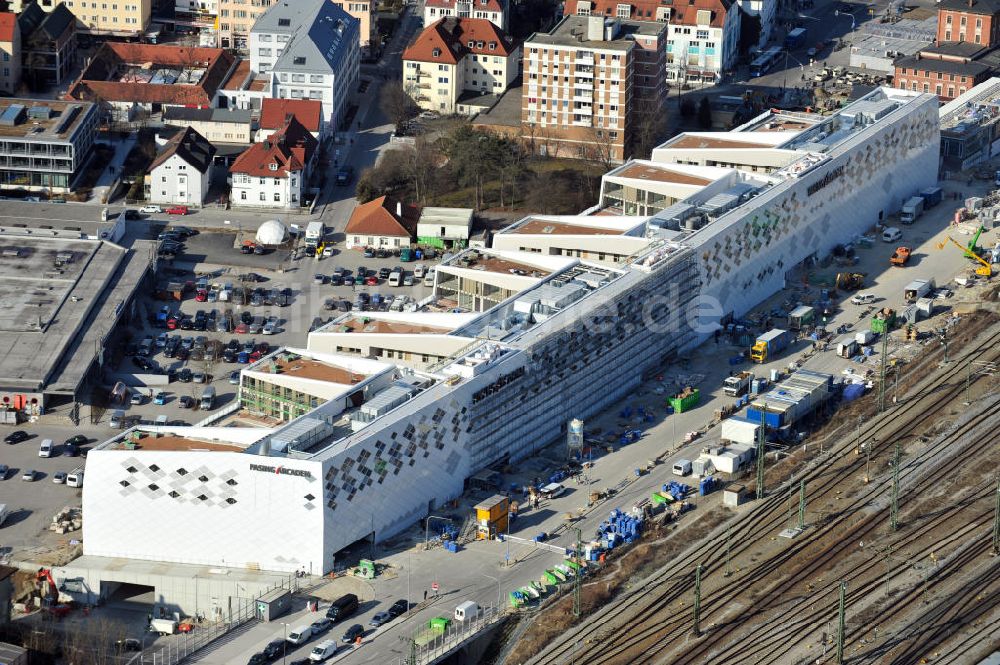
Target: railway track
[645,618]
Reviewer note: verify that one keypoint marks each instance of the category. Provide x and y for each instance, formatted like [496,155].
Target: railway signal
[894,501]
[697,602]
[760,451]
[840,624]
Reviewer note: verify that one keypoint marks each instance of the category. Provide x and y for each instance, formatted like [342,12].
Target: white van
[75,478]
[467,610]
[552,490]
[395,278]
[322,651]
[45,449]
[300,634]
[429,277]
[863,299]
[682,467]
[891,234]
[419,271]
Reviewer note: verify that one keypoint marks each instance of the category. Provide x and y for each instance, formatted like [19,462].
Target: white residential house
[702,40]
[494,11]
[310,50]
[274,173]
[181,172]
[455,60]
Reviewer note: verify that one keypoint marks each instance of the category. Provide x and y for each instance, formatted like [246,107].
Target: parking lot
[296,296]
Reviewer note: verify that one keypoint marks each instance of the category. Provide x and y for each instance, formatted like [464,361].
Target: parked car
[345,175]
[234,378]
[29,476]
[16,436]
[380,618]
[399,608]
[160,398]
[77,440]
[4,470]
[185,375]
[275,649]
[271,326]
[198,377]
[70,450]
[151,210]
[59,477]
[322,625]
[185,402]
[371,280]
[353,633]
[177,210]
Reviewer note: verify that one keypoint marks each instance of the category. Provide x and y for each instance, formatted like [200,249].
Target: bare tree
[397,104]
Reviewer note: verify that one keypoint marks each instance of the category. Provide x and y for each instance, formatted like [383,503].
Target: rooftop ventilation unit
[12,115]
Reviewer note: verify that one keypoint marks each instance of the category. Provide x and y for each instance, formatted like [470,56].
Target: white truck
[314,234]
[163,626]
[734,386]
[911,210]
[917,289]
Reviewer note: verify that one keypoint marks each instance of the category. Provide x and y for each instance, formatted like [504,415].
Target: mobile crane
[984,270]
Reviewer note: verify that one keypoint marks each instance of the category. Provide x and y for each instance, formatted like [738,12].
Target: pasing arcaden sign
[281,470]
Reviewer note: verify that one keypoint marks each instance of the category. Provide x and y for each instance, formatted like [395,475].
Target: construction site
[874,542]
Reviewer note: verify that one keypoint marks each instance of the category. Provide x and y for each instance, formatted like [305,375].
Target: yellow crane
[985,270]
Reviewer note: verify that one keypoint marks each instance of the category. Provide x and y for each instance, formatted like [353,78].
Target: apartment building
[45,144]
[275,172]
[580,96]
[310,50]
[10,53]
[116,18]
[181,172]
[458,58]
[237,18]
[494,11]
[947,70]
[228,125]
[973,21]
[48,45]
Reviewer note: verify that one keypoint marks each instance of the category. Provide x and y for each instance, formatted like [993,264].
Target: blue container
[419,254]
[853,391]
[542,537]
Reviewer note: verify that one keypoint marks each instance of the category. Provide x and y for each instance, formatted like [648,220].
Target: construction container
[883,321]
[864,337]
[769,344]
[926,306]
[734,495]
[792,399]
[801,317]
[847,346]
[685,400]
[739,429]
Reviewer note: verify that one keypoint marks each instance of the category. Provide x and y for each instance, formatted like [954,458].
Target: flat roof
[659,174]
[567,33]
[174,443]
[41,120]
[544,227]
[307,368]
[362,324]
[506,112]
[694,142]
[52,293]
[490,263]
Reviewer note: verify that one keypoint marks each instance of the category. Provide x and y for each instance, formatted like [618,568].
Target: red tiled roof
[379,218]
[8,21]
[289,149]
[451,37]
[102,79]
[274,113]
[645,10]
[239,76]
[477,5]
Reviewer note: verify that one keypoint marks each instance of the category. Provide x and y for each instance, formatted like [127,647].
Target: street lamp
[499,594]
[784,74]
[284,645]
[427,524]
[837,12]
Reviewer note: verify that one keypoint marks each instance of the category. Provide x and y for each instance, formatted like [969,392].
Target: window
[315,78]
[298,78]
[277,197]
[271,167]
[164,178]
[263,197]
[300,60]
[265,38]
[284,22]
[264,52]
[243,195]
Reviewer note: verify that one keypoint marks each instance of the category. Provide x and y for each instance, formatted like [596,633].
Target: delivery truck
[769,345]
[911,210]
[796,38]
[917,289]
[314,234]
[932,196]
[734,386]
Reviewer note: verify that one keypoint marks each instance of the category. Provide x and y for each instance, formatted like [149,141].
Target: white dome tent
[272,233]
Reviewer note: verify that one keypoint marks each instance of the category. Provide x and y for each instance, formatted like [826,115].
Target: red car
[255,356]
[201,295]
[242,329]
[177,210]
[263,348]
[172,323]
[371,280]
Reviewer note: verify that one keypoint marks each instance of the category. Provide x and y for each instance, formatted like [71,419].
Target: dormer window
[272,166]
[471,43]
[300,60]
[284,22]
[493,46]
[436,53]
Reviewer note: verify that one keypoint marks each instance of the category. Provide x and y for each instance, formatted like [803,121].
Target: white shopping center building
[385,415]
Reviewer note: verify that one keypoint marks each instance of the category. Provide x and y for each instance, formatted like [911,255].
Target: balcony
[585,60]
[583,96]
[584,71]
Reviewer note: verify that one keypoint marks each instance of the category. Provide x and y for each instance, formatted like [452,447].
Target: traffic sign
[434,586]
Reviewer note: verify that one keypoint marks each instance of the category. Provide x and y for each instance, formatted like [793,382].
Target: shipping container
[864,337]
[932,196]
[769,344]
[739,430]
[801,317]
[917,289]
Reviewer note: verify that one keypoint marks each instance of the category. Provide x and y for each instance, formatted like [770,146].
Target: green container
[572,564]
[515,601]
[440,623]
[682,404]
[881,326]
[659,497]
[549,578]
